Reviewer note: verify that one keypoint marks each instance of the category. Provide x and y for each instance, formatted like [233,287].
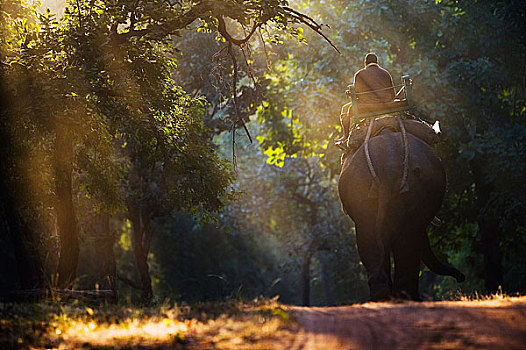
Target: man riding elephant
[391,185]
[373,85]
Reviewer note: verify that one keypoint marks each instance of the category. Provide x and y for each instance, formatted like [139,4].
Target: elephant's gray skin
[389,222]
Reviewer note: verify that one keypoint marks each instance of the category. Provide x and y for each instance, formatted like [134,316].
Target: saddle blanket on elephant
[420,129]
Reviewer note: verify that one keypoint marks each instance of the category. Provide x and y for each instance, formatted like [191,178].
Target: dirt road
[267,325]
[495,324]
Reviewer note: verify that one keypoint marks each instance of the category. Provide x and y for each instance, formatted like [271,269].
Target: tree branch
[220,9]
[133,19]
[234,92]
[230,9]
[221,27]
[304,17]
[311,23]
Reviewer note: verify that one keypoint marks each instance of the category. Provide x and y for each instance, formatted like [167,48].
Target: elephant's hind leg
[407,257]
[373,259]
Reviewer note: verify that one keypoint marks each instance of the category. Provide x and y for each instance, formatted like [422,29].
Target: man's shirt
[374,77]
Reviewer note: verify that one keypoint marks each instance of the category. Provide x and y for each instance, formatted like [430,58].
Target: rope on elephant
[404,187]
[368,156]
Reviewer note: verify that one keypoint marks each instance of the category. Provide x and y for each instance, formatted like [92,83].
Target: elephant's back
[426,176]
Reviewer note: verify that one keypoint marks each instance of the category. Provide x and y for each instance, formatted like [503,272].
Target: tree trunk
[329,295]
[29,264]
[305,277]
[107,266]
[490,232]
[66,220]
[141,233]
[489,228]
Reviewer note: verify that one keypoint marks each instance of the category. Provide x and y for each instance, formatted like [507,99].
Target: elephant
[390,221]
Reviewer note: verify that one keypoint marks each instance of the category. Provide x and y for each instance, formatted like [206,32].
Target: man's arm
[357,82]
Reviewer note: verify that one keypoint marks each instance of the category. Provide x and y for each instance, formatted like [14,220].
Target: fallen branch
[50,293]
[129,282]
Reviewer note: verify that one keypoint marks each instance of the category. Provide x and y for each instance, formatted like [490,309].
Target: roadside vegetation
[229,325]
[259,324]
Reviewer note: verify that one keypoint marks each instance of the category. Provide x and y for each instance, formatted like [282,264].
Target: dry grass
[232,325]
[261,324]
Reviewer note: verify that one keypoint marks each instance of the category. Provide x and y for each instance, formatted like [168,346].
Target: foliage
[463,58]
[95,112]
[237,264]
[146,94]
[73,325]
[136,135]
[296,206]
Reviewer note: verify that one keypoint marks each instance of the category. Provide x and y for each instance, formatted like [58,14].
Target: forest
[183,150]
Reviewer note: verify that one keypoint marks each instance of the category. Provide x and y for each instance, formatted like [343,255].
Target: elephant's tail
[429,258]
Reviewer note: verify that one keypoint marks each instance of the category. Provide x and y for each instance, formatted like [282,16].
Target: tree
[17,226]
[99,100]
